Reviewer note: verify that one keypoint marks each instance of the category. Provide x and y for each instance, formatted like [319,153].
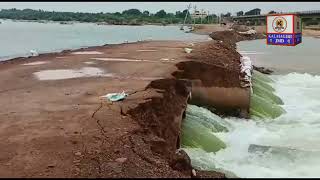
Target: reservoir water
[297,83]
[17,38]
[284,59]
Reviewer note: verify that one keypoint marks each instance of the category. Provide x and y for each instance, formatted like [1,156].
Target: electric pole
[185,18]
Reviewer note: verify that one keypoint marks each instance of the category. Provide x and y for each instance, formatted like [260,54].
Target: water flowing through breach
[264,103]
[286,146]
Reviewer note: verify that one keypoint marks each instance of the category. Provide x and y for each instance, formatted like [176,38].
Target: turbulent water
[18,38]
[299,129]
[288,146]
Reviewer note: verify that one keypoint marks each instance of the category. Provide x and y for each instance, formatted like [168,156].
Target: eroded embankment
[211,77]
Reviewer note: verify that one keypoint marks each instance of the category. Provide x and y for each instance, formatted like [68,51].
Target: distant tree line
[127,17]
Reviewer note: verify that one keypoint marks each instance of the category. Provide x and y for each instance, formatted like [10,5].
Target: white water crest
[299,129]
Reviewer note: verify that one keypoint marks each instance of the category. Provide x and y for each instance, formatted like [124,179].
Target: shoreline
[141,123]
[97,23]
[59,52]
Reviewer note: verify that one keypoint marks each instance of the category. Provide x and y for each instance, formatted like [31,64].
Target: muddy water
[298,128]
[18,38]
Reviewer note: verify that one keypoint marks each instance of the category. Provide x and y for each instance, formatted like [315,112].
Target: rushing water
[298,128]
[18,38]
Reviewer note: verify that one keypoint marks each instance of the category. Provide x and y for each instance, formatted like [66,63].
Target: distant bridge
[261,19]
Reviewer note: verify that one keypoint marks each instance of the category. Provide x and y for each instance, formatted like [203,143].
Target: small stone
[76,161]
[77,153]
[158,162]
[121,160]
[194,172]
[51,166]
[77,169]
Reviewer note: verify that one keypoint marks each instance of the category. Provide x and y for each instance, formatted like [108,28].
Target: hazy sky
[212,7]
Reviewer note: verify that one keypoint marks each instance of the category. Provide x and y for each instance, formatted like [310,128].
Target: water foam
[298,128]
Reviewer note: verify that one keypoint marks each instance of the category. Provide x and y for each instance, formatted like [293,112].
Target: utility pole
[201,16]
[194,19]
[185,18]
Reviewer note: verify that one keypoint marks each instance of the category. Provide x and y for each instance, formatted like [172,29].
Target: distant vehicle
[34,53]
[191,28]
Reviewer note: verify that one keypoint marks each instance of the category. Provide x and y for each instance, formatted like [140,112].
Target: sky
[212,7]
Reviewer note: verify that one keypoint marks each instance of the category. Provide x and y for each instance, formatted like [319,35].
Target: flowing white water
[299,128]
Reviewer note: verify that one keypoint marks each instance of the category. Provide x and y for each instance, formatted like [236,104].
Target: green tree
[133,12]
[146,13]
[161,14]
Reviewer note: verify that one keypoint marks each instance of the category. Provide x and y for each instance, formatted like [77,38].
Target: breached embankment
[211,78]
